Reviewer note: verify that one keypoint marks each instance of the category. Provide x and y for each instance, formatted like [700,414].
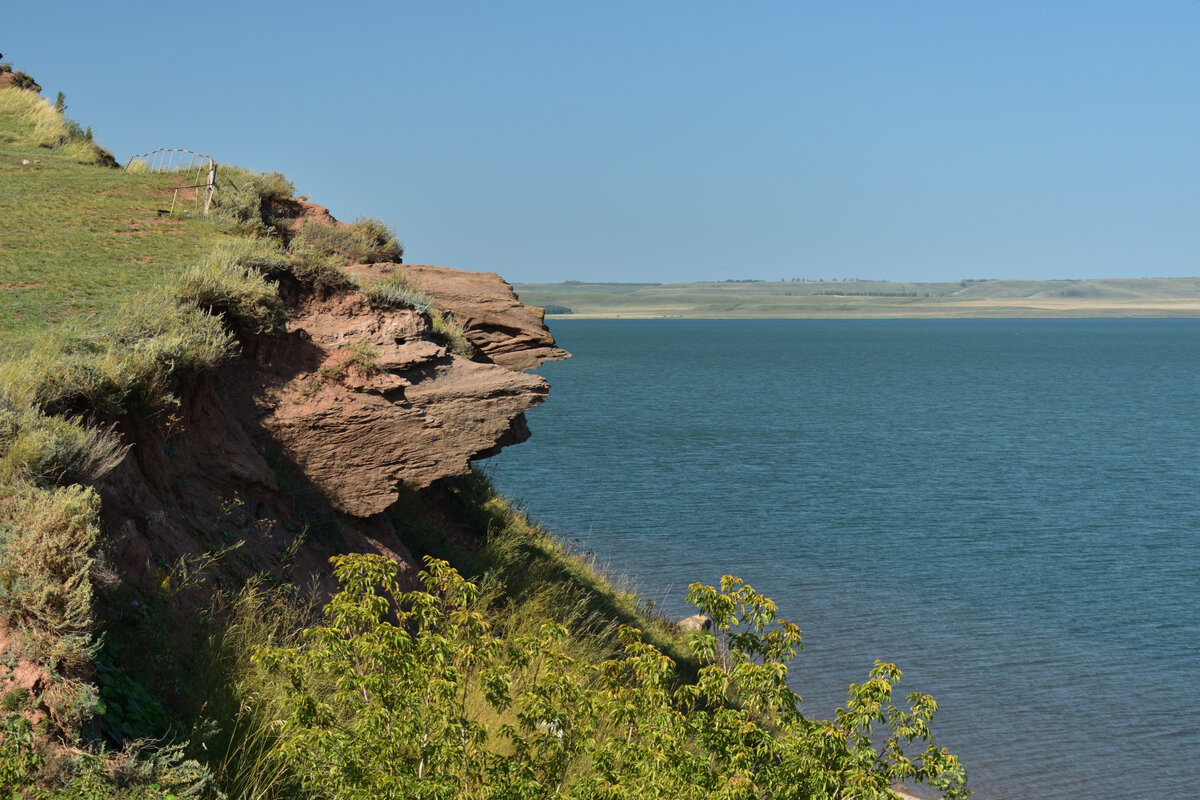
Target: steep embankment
[351,400]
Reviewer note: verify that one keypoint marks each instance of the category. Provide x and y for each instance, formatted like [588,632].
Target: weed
[363,357]
[229,284]
[396,292]
[15,699]
[450,332]
[367,241]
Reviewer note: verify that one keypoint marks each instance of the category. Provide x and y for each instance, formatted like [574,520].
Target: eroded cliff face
[349,408]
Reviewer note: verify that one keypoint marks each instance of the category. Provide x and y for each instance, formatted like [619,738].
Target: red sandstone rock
[357,429]
[509,333]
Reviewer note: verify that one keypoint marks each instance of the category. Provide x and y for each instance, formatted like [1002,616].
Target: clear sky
[673,141]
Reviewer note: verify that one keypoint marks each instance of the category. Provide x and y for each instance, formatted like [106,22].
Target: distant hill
[1109,297]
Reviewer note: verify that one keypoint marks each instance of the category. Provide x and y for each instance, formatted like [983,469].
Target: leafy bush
[19,762]
[415,694]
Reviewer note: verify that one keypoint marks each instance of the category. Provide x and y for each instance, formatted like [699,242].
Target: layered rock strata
[354,403]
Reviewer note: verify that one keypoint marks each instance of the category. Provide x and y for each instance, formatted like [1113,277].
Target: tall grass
[229,283]
[44,449]
[134,364]
[367,241]
[45,126]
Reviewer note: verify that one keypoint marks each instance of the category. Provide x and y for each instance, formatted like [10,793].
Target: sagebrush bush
[133,363]
[375,241]
[318,272]
[47,536]
[44,449]
[394,292]
[367,241]
[244,198]
[229,283]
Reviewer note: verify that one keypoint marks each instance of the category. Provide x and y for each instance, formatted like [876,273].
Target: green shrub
[395,292]
[229,283]
[367,241]
[134,362]
[19,761]
[38,448]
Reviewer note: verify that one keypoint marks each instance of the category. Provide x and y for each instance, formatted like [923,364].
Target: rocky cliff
[299,447]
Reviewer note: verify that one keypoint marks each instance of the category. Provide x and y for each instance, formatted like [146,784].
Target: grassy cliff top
[79,237]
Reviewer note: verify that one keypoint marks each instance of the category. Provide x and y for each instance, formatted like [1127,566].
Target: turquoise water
[1007,509]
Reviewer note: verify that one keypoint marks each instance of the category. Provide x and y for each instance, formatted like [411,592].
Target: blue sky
[664,141]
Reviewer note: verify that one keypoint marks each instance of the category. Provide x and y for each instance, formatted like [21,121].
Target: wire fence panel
[189,163]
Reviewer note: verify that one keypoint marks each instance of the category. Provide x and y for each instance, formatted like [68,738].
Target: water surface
[1007,509]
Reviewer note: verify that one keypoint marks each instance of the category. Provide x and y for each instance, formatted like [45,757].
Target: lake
[1009,510]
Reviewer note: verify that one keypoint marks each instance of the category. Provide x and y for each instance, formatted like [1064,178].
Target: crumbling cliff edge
[305,408]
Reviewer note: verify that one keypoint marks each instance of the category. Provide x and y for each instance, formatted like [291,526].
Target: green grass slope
[78,238]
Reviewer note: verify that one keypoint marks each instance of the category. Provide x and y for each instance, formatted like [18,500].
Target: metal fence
[172,159]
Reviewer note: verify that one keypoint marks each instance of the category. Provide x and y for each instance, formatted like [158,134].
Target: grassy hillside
[1143,297]
[78,238]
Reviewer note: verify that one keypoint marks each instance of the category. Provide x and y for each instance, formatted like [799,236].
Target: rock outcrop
[406,412]
[509,333]
[353,403]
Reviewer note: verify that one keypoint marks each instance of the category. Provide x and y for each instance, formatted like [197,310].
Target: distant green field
[1143,297]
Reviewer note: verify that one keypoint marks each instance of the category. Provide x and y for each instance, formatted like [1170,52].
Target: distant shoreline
[972,299]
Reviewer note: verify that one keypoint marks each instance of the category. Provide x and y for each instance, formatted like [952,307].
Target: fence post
[212,184]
